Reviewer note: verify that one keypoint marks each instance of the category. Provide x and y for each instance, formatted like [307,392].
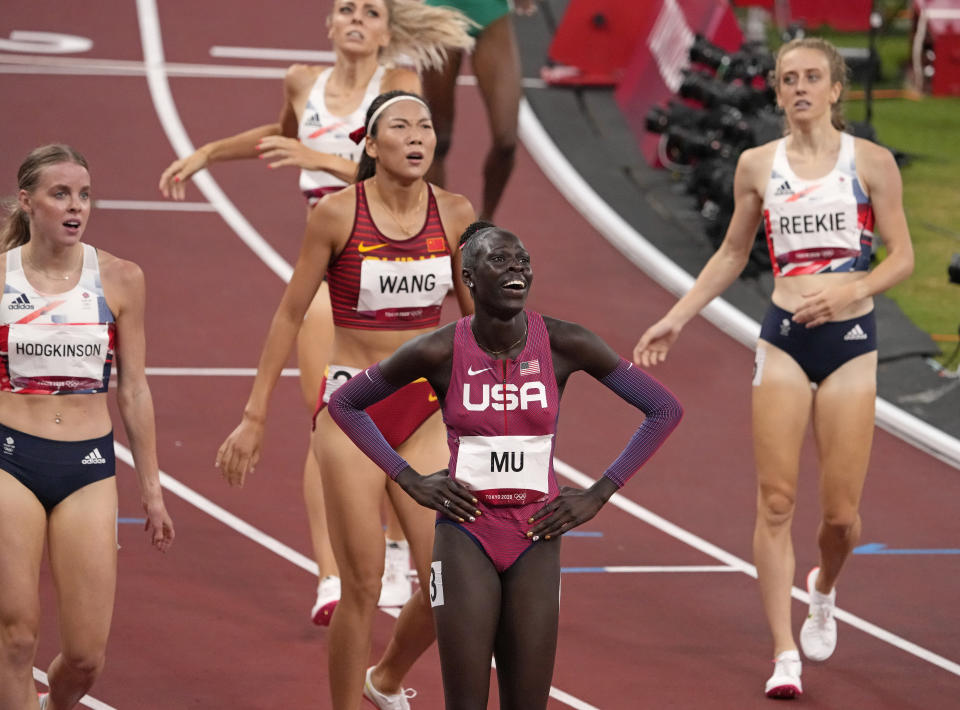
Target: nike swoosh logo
[364,248]
[431,397]
[325,129]
[470,370]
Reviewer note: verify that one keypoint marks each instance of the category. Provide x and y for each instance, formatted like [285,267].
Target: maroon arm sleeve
[346,408]
[663,412]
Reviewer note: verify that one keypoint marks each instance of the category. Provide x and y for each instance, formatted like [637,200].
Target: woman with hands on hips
[820,192]
[499,376]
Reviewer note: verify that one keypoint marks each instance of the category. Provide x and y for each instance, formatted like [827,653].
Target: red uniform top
[379,283]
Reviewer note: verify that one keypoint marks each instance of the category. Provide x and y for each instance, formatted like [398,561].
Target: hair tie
[358,135]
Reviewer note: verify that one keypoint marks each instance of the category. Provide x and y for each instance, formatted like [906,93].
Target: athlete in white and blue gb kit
[67,309]
[819,192]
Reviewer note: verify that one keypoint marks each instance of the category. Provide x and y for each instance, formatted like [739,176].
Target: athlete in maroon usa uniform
[499,375]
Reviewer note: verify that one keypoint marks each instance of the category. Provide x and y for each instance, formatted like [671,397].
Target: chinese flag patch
[436,244]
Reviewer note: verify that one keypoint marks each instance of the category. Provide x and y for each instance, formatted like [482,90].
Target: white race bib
[38,353]
[403,285]
[505,470]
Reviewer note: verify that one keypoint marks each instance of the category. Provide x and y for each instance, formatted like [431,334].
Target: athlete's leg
[353,488]
[426,451]
[526,642]
[496,62]
[22,526]
[843,419]
[781,409]
[439,89]
[466,592]
[313,348]
[82,539]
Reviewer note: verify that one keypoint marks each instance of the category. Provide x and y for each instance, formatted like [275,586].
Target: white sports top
[320,130]
[58,343]
[817,226]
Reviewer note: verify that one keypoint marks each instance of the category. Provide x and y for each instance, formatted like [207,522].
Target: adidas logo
[784,189]
[855,333]
[313,119]
[21,303]
[94,457]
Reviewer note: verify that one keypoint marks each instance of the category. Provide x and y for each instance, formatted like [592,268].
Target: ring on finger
[446,502]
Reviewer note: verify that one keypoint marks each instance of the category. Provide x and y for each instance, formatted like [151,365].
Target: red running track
[221,621]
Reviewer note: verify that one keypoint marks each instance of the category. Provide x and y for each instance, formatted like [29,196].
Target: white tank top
[817,226]
[58,343]
[320,130]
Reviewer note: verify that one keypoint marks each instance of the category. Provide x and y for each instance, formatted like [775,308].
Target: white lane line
[20,64]
[309,56]
[648,569]
[214,371]
[177,135]
[708,548]
[166,109]
[658,267]
[40,676]
[154,205]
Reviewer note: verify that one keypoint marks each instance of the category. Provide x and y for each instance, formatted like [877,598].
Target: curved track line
[177,135]
[655,264]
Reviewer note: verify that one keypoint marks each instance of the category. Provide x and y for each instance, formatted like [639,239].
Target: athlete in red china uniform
[499,376]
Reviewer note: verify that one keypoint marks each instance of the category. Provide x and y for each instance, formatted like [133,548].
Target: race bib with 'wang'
[403,289]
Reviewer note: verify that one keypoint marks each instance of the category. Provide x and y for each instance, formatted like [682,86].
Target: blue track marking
[879,548]
[131,520]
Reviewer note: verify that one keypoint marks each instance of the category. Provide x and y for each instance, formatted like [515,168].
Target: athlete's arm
[881,177]
[456,214]
[244,145]
[723,267]
[575,347]
[327,225]
[123,285]
[421,357]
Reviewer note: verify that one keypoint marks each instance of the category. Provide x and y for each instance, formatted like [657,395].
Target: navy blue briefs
[821,350]
[52,469]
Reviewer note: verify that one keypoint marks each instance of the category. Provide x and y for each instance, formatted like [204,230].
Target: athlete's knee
[841,520]
[775,507]
[18,643]
[87,662]
[362,589]
[504,146]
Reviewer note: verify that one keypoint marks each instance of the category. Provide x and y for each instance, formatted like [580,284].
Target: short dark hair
[470,245]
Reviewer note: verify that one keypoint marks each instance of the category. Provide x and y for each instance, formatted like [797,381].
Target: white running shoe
[399,701]
[785,681]
[328,594]
[818,635]
[395,586]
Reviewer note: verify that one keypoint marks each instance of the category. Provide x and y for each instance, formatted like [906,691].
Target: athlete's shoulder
[436,347]
[872,155]
[564,334]
[758,157]
[454,208]
[402,79]
[335,210]
[123,271]
[301,77]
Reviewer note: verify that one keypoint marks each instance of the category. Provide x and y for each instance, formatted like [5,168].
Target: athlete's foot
[785,684]
[328,594]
